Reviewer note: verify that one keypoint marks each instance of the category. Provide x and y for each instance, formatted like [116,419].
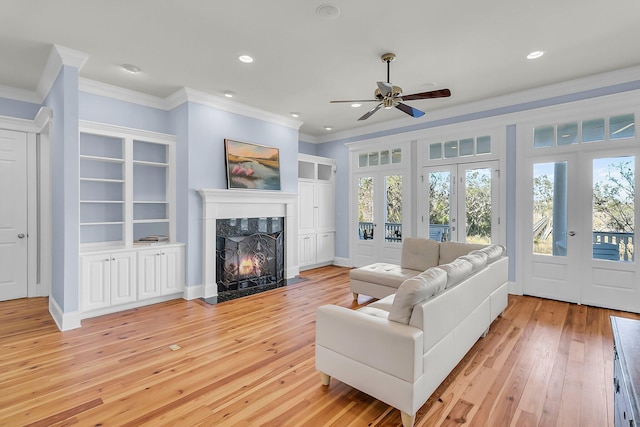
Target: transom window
[460,148]
[585,131]
[380,158]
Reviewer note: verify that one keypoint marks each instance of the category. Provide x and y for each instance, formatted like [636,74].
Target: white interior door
[382,204]
[13,215]
[461,202]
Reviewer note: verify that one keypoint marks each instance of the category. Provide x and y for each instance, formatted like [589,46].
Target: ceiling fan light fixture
[536,54]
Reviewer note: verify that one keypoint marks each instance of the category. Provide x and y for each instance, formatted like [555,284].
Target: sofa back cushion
[414,291]
[452,250]
[419,254]
[478,259]
[457,270]
[493,252]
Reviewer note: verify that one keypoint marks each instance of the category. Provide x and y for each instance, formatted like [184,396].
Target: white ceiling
[302,60]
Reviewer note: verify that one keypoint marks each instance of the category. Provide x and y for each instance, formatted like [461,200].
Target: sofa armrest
[382,344]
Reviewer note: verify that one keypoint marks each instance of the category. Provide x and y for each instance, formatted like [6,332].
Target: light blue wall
[19,109]
[308,148]
[207,128]
[100,109]
[63,100]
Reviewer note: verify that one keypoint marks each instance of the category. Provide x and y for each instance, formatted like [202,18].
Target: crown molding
[191,95]
[58,56]
[121,94]
[17,94]
[569,87]
[304,137]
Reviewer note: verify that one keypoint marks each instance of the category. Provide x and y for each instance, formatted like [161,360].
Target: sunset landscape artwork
[252,166]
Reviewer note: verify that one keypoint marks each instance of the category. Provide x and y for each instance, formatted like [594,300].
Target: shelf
[102,159]
[102,201]
[157,164]
[115,181]
[149,221]
[102,223]
[157,202]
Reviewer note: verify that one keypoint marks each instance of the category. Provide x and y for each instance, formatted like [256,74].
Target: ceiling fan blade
[370,112]
[386,89]
[356,100]
[440,93]
[413,112]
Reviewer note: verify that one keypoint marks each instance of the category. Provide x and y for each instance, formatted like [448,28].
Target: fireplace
[249,256]
[235,204]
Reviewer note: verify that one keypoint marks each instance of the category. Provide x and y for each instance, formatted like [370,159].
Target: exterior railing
[392,231]
[623,242]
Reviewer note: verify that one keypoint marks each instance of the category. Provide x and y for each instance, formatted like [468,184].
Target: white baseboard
[514,288]
[342,262]
[64,321]
[193,292]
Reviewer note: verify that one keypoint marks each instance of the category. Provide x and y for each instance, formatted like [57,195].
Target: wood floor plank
[250,362]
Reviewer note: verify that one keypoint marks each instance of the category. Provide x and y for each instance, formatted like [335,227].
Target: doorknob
[572,233]
[21,236]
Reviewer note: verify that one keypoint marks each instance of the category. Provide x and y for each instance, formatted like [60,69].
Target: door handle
[572,233]
[21,236]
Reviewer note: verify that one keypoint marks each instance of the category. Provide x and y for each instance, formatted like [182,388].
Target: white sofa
[400,348]
[381,279]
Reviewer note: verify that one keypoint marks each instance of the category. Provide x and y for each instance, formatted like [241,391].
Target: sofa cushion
[380,273]
[478,259]
[449,251]
[376,312]
[457,271]
[493,252]
[413,291]
[419,254]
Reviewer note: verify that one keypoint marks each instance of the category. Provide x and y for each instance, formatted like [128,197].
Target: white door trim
[38,175]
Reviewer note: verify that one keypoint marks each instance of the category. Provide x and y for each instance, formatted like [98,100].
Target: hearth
[249,256]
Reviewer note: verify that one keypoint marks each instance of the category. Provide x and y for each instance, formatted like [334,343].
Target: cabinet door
[123,278]
[306,207]
[149,274]
[171,274]
[307,249]
[325,207]
[325,247]
[96,278]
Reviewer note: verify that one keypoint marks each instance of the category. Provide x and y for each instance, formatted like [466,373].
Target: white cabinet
[160,272]
[127,278]
[107,279]
[316,211]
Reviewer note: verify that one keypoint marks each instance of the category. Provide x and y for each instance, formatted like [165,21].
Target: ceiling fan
[390,96]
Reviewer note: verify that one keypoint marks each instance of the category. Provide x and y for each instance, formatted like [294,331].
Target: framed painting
[252,166]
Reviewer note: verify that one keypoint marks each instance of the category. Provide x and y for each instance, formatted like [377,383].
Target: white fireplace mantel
[222,204]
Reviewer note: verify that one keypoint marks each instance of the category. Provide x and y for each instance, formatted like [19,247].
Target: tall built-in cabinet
[127,192]
[316,211]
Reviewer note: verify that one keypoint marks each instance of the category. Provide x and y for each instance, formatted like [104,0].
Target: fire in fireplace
[249,256]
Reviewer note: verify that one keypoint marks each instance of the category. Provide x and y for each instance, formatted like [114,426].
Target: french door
[577,215]
[461,202]
[380,216]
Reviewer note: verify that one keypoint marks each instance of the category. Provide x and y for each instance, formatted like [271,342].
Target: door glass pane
[622,126]
[396,155]
[483,145]
[550,208]
[385,157]
[478,205]
[439,206]
[363,160]
[543,136]
[450,149]
[614,208]
[435,151]
[593,130]
[568,133]
[466,147]
[373,159]
[365,208]
[393,208]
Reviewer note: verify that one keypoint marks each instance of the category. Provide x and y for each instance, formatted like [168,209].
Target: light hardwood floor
[250,362]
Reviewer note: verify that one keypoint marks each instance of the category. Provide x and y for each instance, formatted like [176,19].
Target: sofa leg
[355,296]
[324,378]
[407,420]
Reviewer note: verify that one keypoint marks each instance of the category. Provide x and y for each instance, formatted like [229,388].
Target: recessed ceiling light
[295,114]
[327,11]
[229,93]
[535,54]
[246,59]
[131,68]
[328,128]
[356,105]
